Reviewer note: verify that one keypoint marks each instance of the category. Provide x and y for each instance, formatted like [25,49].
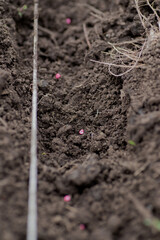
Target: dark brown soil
[114,186]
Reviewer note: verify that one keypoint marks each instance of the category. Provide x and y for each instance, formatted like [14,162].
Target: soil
[114,185]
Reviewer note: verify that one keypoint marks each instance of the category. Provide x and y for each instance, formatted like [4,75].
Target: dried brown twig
[126,55]
[86,35]
[141,16]
[148,218]
[49,32]
[155,13]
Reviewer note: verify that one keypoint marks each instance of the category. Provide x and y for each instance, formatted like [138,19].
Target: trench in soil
[113,185]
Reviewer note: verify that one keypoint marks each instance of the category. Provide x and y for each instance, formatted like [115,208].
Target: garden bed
[111,170]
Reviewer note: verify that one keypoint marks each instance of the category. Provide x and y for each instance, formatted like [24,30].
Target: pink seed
[67,198]
[58,76]
[82,226]
[68,21]
[81,132]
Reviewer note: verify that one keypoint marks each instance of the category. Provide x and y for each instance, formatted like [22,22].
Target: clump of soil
[113,185]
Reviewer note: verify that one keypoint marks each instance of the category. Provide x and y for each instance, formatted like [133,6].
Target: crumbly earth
[114,185]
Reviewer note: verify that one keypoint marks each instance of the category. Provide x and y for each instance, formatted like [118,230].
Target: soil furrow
[111,171]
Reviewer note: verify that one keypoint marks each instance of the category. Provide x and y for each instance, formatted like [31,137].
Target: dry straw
[125,58]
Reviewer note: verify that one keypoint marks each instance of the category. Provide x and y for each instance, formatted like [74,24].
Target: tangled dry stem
[140,14]
[144,20]
[126,55]
[129,67]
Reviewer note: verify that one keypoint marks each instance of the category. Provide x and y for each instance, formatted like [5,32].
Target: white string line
[32,193]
